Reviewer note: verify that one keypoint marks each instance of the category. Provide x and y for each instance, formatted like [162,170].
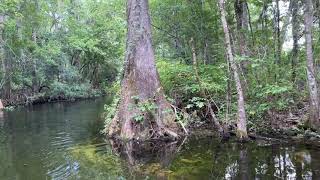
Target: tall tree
[241,12]
[318,10]
[311,76]
[2,53]
[34,37]
[277,43]
[6,83]
[295,36]
[142,97]
[241,122]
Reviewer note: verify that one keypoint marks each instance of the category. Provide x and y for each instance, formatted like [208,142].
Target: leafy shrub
[73,91]
[179,80]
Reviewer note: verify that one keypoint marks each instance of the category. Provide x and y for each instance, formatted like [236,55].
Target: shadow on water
[62,141]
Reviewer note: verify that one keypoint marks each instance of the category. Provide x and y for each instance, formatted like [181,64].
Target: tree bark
[277,33]
[318,10]
[241,122]
[295,36]
[141,84]
[34,37]
[311,76]
[241,12]
[34,65]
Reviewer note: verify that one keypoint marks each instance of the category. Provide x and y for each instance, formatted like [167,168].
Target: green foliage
[73,47]
[110,111]
[69,91]
[9,108]
[178,79]
[197,102]
[146,108]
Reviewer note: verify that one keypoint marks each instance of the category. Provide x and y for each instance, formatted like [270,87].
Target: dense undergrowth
[272,106]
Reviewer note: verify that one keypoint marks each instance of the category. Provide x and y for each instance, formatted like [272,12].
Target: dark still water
[61,141]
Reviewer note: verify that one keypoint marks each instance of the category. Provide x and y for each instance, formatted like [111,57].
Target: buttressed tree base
[143,111]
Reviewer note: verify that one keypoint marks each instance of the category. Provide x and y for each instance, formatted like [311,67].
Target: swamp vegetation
[185,83]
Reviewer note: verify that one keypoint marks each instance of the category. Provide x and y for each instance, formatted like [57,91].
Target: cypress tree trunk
[241,123]
[311,76]
[141,86]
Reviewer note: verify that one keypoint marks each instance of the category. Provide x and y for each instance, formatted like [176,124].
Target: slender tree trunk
[311,76]
[228,94]
[2,51]
[250,24]
[141,84]
[315,163]
[205,52]
[202,90]
[277,33]
[34,65]
[241,123]
[265,27]
[318,10]
[6,66]
[242,25]
[34,37]
[295,37]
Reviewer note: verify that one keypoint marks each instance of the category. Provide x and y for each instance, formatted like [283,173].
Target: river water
[63,141]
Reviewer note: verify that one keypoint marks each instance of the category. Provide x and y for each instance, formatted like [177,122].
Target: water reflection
[212,159]
[34,140]
[147,158]
[61,141]
[205,158]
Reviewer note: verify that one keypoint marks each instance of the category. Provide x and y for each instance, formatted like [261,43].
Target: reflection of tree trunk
[244,164]
[315,164]
[298,165]
[271,162]
[141,83]
[141,154]
[284,164]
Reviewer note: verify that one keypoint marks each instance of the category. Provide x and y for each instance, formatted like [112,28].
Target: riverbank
[49,97]
[296,133]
